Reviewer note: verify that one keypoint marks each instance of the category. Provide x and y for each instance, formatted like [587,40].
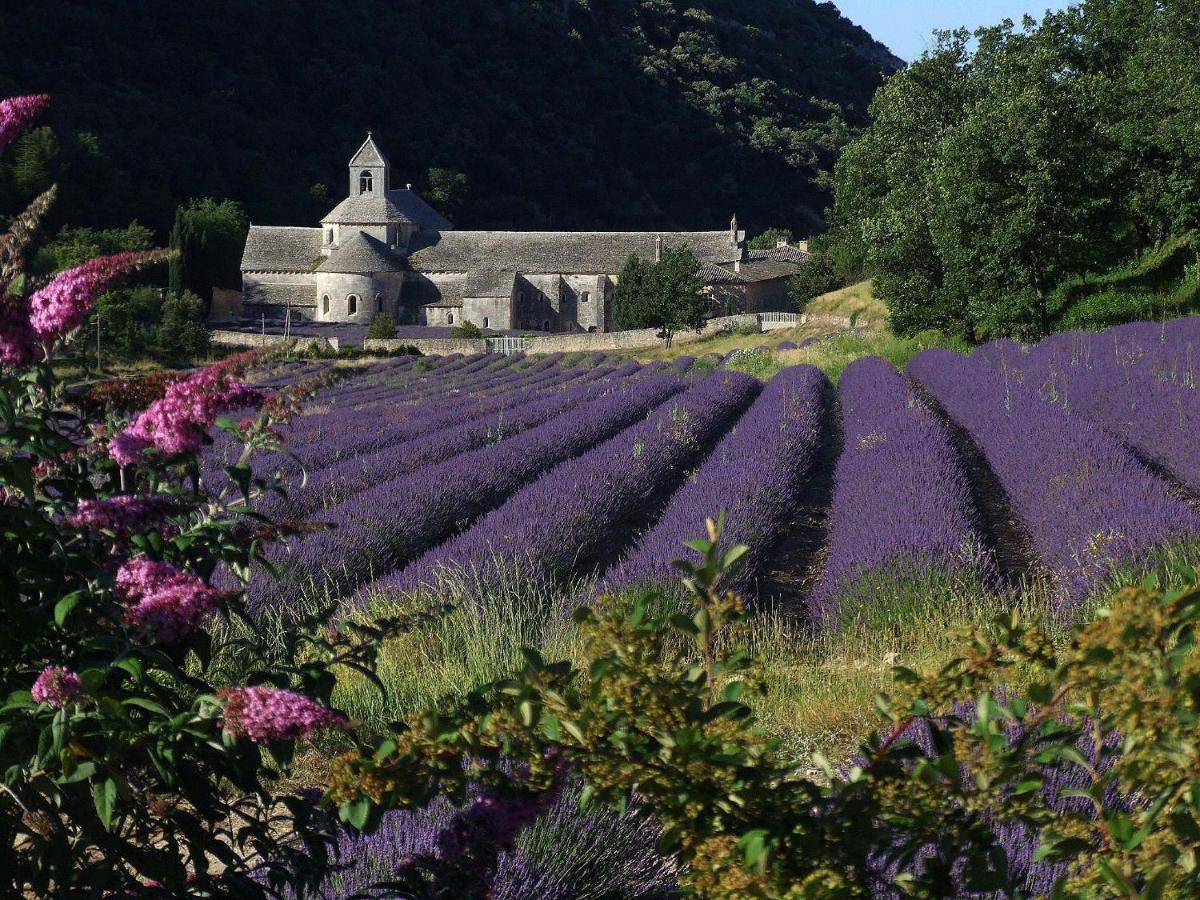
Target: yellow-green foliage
[661,705]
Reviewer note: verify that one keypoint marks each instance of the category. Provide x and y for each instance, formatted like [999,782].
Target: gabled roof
[361,255]
[765,269]
[786,253]
[538,252]
[401,205]
[369,154]
[489,283]
[271,248]
[711,274]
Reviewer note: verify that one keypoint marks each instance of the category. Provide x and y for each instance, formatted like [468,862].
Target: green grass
[856,302]
[833,355]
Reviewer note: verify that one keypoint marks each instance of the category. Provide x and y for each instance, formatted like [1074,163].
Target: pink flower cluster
[18,343]
[17,112]
[123,513]
[270,714]
[176,422]
[62,305]
[56,686]
[166,604]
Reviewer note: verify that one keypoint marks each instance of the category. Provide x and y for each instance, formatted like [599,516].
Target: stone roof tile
[538,252]
[271,248]
[361,255]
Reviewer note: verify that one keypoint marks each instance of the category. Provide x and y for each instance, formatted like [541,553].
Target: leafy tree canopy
[667,295]
[1000,164]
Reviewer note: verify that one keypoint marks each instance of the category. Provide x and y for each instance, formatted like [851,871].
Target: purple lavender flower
[755,475]
[902,504]
[562,522]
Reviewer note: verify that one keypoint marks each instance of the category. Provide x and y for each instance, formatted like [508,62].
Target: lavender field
[881,513]
[1053,467]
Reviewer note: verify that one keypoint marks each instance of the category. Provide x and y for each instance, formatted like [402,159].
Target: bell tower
[370,171]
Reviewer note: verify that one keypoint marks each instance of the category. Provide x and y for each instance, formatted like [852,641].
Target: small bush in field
[383,327]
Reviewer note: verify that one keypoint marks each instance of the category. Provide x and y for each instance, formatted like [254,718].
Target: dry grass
[858,301]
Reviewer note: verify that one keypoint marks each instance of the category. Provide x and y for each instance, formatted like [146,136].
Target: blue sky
[906,26]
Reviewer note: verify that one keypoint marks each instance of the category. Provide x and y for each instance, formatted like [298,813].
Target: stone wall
[249,339]
[634,340]
[429,346]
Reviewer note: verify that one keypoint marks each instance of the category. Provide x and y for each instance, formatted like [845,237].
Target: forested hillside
[560,113]
[1034,177]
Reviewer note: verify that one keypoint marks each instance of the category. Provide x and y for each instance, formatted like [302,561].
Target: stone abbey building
[384,249]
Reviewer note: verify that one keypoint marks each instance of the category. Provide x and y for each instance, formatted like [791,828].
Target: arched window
[328,235]
[364,183]
[325,304]
[449,318]
[485,321]
[379,303]
[545,325]
[352,304]
[520,296]
[585,297]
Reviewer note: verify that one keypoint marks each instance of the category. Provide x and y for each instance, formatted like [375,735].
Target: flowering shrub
[139,742]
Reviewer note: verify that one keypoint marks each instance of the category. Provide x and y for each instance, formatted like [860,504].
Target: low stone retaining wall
[249,339]
[429,346]
[640,339]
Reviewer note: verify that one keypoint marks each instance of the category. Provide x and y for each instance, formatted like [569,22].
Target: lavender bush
[561,522]
[1088,503]
[385,526]
[755,475]
[902,510]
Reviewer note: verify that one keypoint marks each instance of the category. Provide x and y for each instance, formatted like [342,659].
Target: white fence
[507,345]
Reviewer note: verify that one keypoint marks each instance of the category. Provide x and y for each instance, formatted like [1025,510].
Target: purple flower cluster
[385,526]
[123,514]
[17,112]
[1139,381]
[561,522]
[755,475]
[562,854]
[1087,501]
[902,503]
[165,603]
[263,714]
[56,686]
[176,422]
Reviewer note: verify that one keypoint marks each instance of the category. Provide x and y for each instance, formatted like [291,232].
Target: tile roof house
[385,249]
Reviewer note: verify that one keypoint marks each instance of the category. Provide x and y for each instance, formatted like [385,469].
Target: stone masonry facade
[385,249]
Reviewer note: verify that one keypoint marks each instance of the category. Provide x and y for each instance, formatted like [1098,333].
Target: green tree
[208,237]
[447,191]
[73,246]
[667,295]
[770,238]
[383,327]
[181,332]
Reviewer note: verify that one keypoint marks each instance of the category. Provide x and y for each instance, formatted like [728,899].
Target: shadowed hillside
[586,114]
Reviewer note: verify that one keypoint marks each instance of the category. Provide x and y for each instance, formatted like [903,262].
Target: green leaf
[551,728]
[63,607]
[753,845]
[356,814]
[104,795]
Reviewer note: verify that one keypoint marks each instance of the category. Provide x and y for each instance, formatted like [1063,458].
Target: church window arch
[449,318]
[325,304]
[545,325]
[379,303]
[485,321]
[365,180]
[585,297]
[328,235]
[352,304]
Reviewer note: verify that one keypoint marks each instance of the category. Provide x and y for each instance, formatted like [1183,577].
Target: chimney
[658,249]
[737,264]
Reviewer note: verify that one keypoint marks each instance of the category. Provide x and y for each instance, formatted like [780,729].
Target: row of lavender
[435,452]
